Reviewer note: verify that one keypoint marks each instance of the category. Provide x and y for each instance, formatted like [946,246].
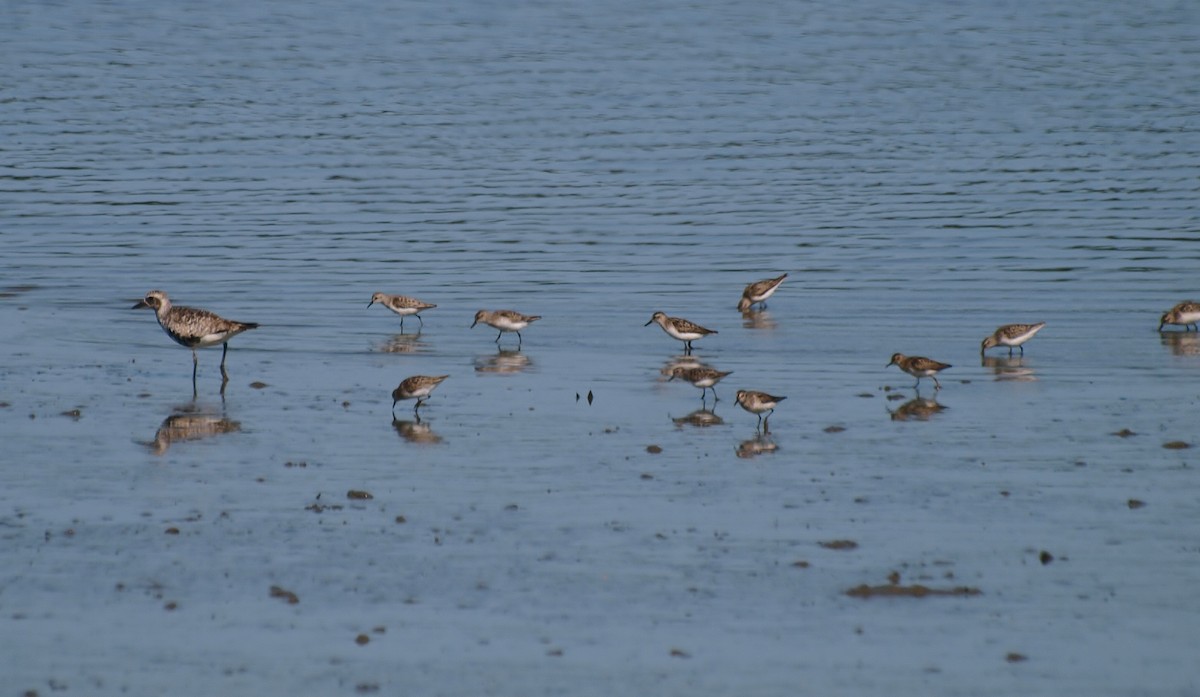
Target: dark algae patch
[915,590]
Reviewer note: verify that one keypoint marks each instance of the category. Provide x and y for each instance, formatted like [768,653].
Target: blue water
[924,174]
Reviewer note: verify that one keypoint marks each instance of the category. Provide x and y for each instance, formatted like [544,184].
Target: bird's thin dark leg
[421,320]
[936,385]
[1022,350]
[401,324]
[224,374]
[498,335]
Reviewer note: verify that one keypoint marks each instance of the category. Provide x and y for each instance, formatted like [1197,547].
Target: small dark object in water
[1045,557]
[589,396]
[290,597]
[839,544]
[1177,445]
[1136,503]
[356,494]
[913,591]
[654,449]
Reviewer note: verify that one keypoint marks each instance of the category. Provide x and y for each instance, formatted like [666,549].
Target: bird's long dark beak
[142,303]
[474,323]
[649,323]
[370,303]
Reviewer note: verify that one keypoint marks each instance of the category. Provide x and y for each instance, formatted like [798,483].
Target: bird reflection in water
[403,343]
[415,431]
[759,444]
[190,423]
[701,418]
[918,409]
[1181,343]
[685,361]
[502,363]
[758,319]
[1009,368]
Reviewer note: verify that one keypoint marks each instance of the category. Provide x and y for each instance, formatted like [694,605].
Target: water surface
[924,174]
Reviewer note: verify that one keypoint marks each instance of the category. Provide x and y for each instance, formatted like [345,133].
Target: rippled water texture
[561,519]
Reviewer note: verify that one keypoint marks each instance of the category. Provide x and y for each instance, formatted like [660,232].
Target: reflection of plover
[1186,313]
[402,305]
[416,387]
[919,367]
[704,378]
[1012,335]
[193,327]
[757,293]
[757,403]
[505,321]
[679,328]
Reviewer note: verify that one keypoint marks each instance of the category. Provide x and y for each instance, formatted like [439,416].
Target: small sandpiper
[919,367]
[704,378]
[505,321]
[679,328]
[402,305]
[1186,313]
[758,292]
[1012,336]
[758,403]
[193,327]
[416,387]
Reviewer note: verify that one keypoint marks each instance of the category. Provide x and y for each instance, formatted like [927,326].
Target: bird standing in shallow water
[919,367]
[679,328]
[194,328]
[1012,336]
[757,403]
[505,321]
[758,292]
[417,387]
[704,378]
[1186,313]
[402,305]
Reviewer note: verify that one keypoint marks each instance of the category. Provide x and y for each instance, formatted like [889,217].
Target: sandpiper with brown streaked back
[505,321]
[1012,336]
[402,305]
[417,387]
[758,403]
[193,327]
[919,367]
[1186,313]
[679,328]
[704,378]
[758,292]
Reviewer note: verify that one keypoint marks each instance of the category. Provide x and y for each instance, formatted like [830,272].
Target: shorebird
[417,387]
[193,327]
[704,378]
[758,292]
[757,403]
[1012,336]
[1186,313]
[402,305]
[919,367]
[505,321]
[679,328]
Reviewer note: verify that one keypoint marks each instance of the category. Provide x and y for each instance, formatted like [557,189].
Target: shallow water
[924,174]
